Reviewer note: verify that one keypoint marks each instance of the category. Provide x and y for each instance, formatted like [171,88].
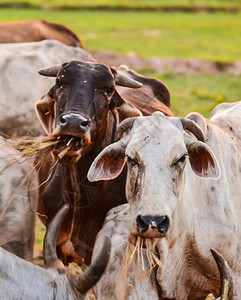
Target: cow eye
[108,92]
[131,161]
[181,160]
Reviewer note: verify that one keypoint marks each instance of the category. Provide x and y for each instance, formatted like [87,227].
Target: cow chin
[152,234]
[133,237]
[71,157]
[69,149]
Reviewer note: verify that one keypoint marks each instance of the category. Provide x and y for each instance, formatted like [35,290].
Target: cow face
[75,109]
[159,154]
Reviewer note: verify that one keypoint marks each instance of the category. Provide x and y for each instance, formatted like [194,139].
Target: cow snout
[73,121]
[152,226]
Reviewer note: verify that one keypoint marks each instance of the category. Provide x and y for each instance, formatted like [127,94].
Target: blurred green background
[191,29]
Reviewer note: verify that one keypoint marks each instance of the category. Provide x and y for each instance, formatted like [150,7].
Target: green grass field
[126,3]
[149,34]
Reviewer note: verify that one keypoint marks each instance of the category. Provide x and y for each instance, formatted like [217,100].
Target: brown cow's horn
[49,247]
[226,288]
[193,128]
[124,126]
[51,71]
[123,80]
[89,278]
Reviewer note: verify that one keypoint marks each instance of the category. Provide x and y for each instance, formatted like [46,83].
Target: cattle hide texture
[184,193]
[18,202]
[80,113]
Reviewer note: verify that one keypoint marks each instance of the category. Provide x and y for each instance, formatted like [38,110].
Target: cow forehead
[156,132]
[86,71]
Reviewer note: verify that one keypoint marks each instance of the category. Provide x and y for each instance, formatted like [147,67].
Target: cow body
[184,194]
[20,279]
[21,84]
[18,202]
[37,30]
[81,112]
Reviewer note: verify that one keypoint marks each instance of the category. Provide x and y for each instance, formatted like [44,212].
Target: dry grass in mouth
[30,147]
[138,262]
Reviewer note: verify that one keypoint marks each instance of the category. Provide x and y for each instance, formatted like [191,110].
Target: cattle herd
[146,203]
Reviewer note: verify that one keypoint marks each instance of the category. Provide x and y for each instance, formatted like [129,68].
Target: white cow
[20,279]
[21,85]
[184,194]
[130,274]
[18,202]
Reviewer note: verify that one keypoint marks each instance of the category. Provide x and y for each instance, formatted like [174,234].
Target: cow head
[159,152]
[75,110]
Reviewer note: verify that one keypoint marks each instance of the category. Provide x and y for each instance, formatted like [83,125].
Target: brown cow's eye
[108,92]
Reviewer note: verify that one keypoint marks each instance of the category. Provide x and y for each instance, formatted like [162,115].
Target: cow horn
[49,247]
[51,71]
[123,80]
[85,281]
[226,288]
[193,128]
[124,126]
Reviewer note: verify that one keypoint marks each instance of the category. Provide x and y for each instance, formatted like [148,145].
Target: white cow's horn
[49,247]
[193,128]
[123,127]
[226,288]
[85,281]
[51,71]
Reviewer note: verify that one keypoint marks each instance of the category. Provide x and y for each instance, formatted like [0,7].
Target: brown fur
[37,30]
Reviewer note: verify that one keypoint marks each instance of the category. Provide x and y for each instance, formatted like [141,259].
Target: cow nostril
[84,123]
[163,224]
[142,223]
[63,120]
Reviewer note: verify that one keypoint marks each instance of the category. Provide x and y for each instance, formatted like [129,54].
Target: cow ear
[122,109]
[202,160]
[109,163]
[45,111]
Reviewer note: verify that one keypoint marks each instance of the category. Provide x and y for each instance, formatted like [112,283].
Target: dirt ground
[164,65]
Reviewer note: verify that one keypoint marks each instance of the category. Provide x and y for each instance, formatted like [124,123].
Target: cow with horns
[183,188]
[21,279]
[79,114]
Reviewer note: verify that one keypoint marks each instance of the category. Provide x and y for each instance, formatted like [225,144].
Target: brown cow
[80,113]
[37,30]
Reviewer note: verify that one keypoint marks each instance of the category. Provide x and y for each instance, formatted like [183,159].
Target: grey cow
[18,201]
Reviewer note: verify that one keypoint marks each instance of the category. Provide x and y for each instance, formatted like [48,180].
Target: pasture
[206,36]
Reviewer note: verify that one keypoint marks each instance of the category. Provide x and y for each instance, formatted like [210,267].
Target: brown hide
[67,181]
[154,94]
[37,30]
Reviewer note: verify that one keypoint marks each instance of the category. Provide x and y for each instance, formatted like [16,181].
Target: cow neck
[89,200]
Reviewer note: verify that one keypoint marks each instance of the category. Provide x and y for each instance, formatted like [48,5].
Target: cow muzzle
[152,226]
[73,123]
[73,136]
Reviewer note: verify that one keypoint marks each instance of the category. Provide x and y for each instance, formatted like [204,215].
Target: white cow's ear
[109,163]
[202,160]
[45,111]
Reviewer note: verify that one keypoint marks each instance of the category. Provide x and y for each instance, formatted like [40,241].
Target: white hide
[18,202]
[139,282]
[21,85]
[204,212]
[20,279]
